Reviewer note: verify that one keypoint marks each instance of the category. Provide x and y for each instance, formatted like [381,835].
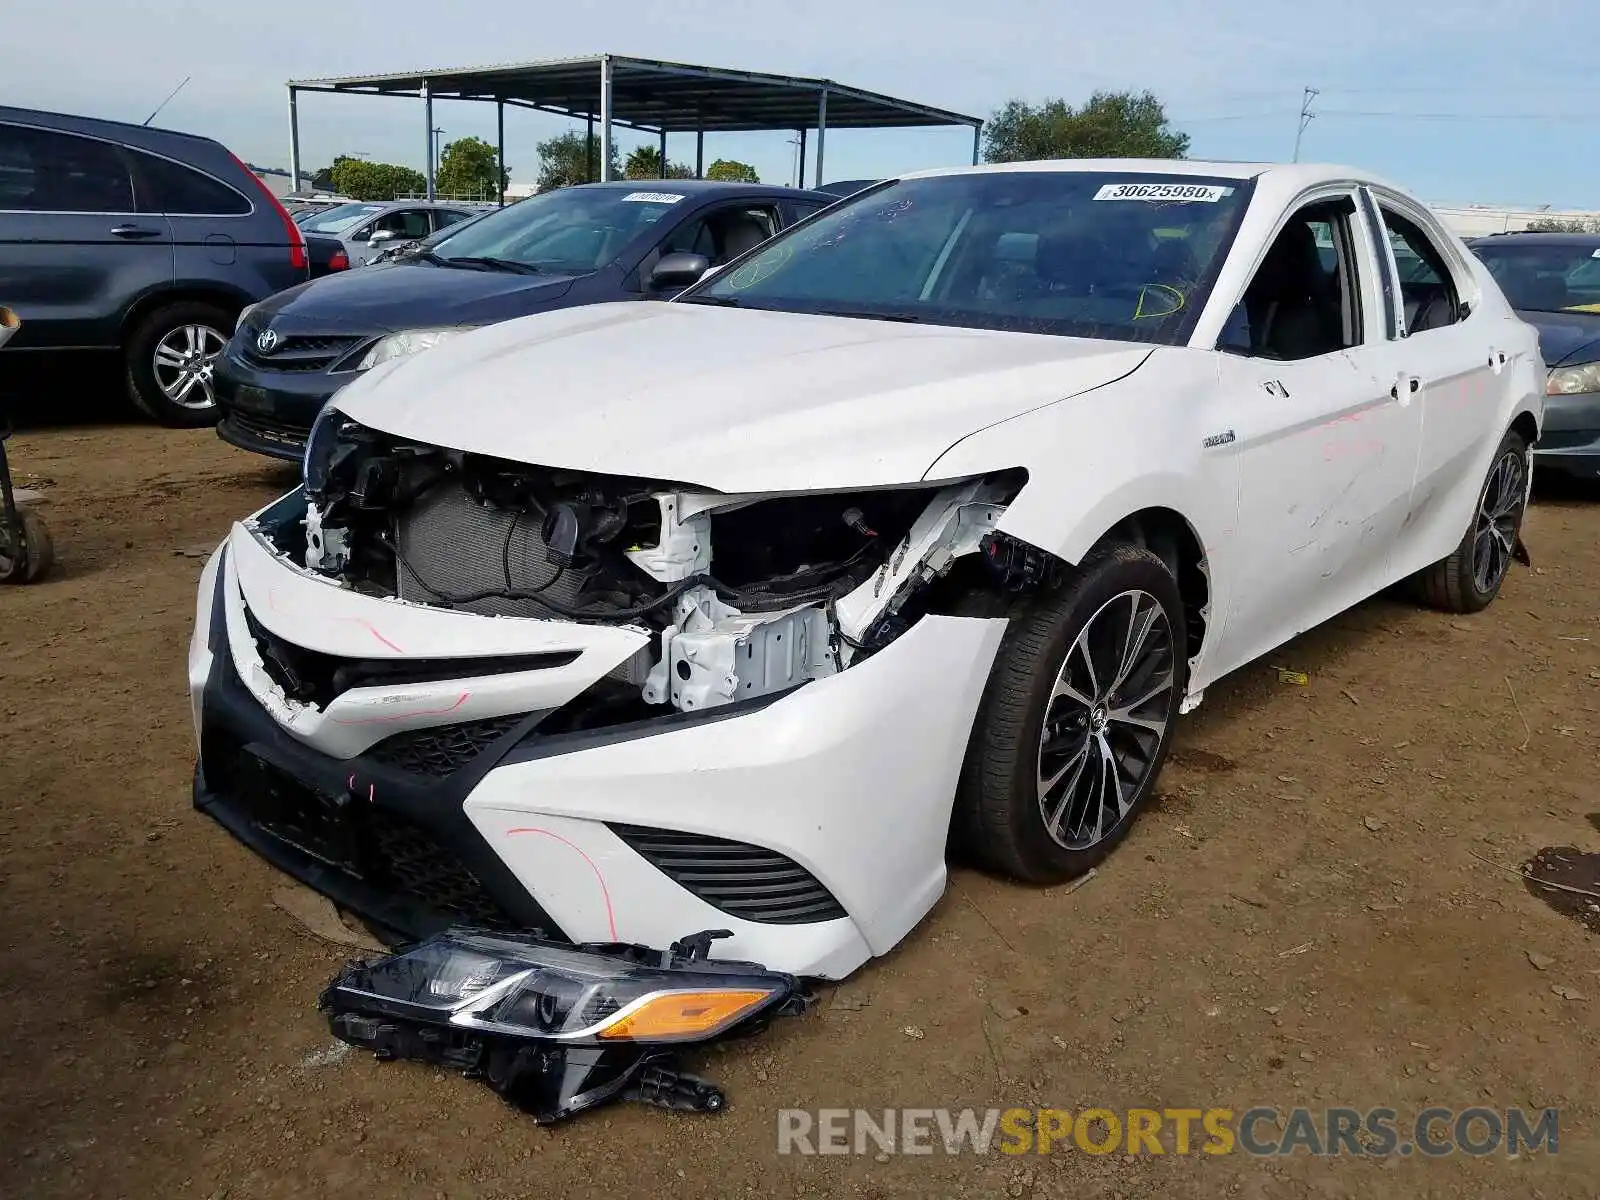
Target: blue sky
[1499,97]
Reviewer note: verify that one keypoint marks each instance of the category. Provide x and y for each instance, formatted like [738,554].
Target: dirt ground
[1323,909]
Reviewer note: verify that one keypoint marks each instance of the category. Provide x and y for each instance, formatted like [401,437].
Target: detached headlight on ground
[407,342]
[555,1028]
[1572,381]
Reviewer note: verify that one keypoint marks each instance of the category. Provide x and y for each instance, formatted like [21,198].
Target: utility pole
[438,148]
[1306,117]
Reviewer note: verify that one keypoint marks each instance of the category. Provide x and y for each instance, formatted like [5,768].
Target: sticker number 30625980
[1207,193]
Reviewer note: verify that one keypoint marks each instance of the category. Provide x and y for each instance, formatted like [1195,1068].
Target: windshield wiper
[869,315]
[496,264]
[719,301]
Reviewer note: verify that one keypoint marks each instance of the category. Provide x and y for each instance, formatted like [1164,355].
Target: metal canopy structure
[642,94]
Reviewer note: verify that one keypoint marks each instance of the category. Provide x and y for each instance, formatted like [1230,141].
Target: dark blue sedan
[1553,281]
[637,240]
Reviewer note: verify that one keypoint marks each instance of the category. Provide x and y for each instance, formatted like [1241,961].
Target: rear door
[1453,358]
[74,252]
[210,220]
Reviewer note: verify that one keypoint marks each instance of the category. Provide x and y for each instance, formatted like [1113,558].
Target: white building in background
[1476,220]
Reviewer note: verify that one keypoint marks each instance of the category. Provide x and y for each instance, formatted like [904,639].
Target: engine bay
[744,596]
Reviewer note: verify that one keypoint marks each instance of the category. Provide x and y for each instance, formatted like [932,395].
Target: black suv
[588,244]
[144,241]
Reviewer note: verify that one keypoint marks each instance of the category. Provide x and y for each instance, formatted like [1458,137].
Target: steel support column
[427,125]
[605,117]
[499,152]
[977,143]
[588,149]
[822,130]
[699,153]
[800,171]
[294,141]
[663,152]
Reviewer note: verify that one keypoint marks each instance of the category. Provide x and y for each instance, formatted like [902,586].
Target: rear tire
[1469,578]
[168,356]
[1075,721]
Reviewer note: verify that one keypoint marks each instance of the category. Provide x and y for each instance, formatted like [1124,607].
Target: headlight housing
[407,342]
[1572,381]
[556,1029]
[536,989]
[244,313]
[320,445]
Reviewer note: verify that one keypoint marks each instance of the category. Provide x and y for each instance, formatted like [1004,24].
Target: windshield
[1545,277]
[571,230]
[340,217]
[1090,254]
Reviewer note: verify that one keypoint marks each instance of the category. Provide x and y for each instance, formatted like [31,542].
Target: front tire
[169,356]
[1469,578]
[1076,720]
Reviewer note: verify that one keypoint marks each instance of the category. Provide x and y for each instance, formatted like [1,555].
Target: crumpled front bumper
[812,824]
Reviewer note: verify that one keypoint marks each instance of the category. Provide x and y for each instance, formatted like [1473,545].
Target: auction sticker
[1205,193]
[652,198]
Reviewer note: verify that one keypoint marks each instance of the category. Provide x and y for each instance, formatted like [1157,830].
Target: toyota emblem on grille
[267,342]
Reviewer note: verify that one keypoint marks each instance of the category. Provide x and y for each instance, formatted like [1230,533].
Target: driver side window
[1305,298]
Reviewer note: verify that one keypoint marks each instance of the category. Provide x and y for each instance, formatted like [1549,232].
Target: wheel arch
[1526,425]
[1172,537]
[221,295]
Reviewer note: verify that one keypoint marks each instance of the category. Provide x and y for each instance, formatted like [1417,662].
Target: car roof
[1535,237]
[1287,175]
[701,187]
[103,126]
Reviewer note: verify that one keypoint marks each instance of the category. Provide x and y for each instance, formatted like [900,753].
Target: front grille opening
[750,882]
[412,862]
[298,353]
[443,750]
[380,848]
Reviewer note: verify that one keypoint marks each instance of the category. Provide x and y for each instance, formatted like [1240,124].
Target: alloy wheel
[182,365]
[1494,530]
[1106,719]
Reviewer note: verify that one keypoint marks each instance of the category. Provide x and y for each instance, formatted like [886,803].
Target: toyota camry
[909,533]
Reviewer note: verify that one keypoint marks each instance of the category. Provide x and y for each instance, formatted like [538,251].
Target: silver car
[366,227]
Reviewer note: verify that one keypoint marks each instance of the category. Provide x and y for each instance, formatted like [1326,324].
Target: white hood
[729,399]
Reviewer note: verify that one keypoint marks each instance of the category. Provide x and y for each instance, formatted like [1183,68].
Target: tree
[1564,225]
[466,168]
[730,170]
[645,163]
[1110,125]
[362,180]
[565,160]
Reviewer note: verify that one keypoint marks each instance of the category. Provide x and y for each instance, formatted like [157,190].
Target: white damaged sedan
[914,529]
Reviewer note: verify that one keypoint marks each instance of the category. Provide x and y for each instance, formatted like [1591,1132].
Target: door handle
[1497,361]
[134,232]
[1413,385]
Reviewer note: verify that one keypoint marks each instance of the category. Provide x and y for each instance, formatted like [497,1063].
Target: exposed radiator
[458,547]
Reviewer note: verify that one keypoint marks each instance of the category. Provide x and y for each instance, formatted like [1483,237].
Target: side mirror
[678,270]
[379,237]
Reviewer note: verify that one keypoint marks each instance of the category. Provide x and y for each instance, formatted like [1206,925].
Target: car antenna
[168,100]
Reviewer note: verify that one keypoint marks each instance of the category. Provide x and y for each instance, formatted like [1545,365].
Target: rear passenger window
[164,186]
[1429,290]
[45,171]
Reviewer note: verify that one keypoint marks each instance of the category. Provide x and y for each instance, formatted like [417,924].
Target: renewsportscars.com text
[1260,1131]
